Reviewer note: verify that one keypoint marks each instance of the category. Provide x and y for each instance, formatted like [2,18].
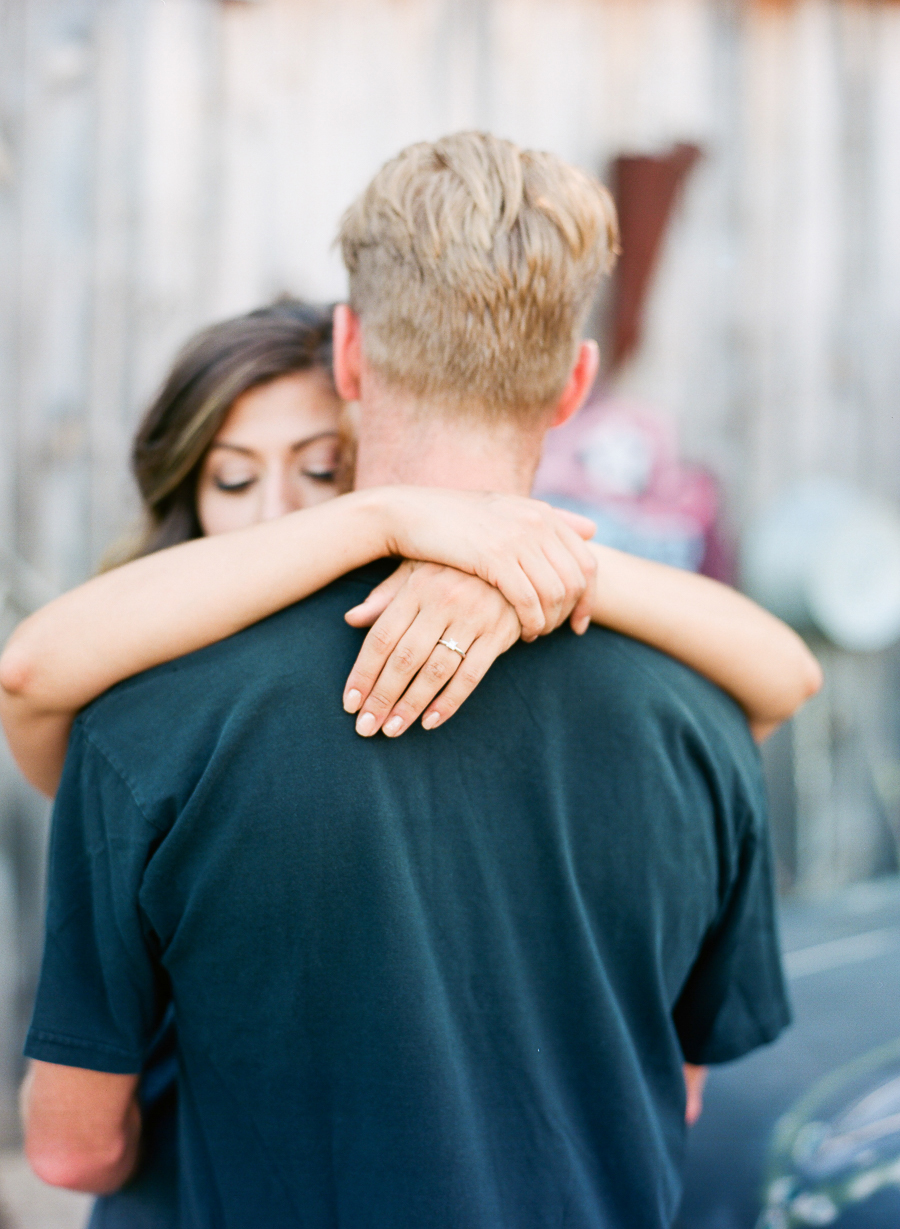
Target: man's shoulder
[168,721]
[647,675]
[180,706]
[262,644]
[609,676]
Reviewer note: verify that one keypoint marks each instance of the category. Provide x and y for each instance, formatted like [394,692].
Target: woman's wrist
[352,530]
[377,516]
[388,517]
[604,583]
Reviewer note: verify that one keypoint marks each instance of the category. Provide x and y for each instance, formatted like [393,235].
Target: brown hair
[211,372]
[472,266]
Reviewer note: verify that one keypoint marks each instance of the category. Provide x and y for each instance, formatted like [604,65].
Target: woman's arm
[721,634]
[172,602]
[157,608]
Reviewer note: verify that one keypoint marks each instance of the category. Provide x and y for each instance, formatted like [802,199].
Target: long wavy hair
[212,370]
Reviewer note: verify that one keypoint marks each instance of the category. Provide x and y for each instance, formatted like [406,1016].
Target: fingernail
[351,700]
[430,720]
[394,726]
[366,724]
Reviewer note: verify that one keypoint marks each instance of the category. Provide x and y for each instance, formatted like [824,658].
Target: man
[446,980]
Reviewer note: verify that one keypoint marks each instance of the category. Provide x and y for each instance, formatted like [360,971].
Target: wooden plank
[111,401]
[53,286]
[880,328]
[12,37]
[175,199]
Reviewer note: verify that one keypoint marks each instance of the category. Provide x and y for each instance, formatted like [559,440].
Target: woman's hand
[402,668]
[537,556]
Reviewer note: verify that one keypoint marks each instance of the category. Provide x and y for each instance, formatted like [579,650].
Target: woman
[238,464]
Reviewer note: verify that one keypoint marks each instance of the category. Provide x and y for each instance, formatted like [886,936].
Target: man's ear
[579,384]
[347,346]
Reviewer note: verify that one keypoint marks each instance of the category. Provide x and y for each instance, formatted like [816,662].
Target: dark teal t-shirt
[445,981]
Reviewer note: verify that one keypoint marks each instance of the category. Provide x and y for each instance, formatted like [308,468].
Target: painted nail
[351,700]
[394,726]
[366,724]
[430,720]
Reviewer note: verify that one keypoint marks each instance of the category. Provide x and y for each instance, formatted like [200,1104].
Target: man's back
[444,980]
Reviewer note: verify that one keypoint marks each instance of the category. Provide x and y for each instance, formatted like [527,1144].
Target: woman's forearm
[164,605]
[715,630]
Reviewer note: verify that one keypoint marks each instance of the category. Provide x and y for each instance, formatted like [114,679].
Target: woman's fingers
[569,571]
[381,641]
[479,659]
[443,664]
[582,525]
[365,614]
[580,618]
[401,640]
[414,658]
[553,573]
[517,586]
[431,690]
[403,665]
[557,567]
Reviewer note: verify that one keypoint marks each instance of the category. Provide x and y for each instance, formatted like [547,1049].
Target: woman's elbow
[801,679]
[813,676]
[15,669]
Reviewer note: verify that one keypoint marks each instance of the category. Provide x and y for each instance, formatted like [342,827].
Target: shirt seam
[762,1019]
[749,813]
[758,1032]
[673,693]
[80,1043]
[123,776]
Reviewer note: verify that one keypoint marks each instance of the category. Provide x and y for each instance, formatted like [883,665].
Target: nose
[277,497]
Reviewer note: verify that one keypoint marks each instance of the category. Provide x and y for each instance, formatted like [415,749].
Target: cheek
[221,513]
[311,493]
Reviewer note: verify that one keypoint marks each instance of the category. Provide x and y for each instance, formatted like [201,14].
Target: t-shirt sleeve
[735,997]
[101,992]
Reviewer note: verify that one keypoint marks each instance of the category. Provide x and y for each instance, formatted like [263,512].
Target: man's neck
[408,441]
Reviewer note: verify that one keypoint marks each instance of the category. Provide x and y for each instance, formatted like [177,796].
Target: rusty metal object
[645,188]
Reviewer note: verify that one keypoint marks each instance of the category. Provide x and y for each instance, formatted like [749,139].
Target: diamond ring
[453,647]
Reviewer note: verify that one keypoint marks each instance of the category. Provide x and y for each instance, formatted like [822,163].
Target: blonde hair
[472,266]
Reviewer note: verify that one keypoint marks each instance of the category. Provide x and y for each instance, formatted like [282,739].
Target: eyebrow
[250,452]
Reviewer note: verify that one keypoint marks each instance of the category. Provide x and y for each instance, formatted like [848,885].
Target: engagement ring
[453,646]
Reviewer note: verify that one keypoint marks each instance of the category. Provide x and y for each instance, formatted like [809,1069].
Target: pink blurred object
[621,458]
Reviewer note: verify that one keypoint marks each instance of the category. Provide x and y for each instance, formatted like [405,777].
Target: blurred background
[166,163]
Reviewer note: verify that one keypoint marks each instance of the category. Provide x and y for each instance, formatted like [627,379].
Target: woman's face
[277,451]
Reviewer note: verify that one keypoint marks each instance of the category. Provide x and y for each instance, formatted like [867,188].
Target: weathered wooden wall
[164,163]
[167,162]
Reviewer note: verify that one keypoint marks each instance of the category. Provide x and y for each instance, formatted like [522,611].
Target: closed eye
[320,475]
[233,487]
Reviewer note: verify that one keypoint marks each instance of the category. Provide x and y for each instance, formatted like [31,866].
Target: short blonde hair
[472,266]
